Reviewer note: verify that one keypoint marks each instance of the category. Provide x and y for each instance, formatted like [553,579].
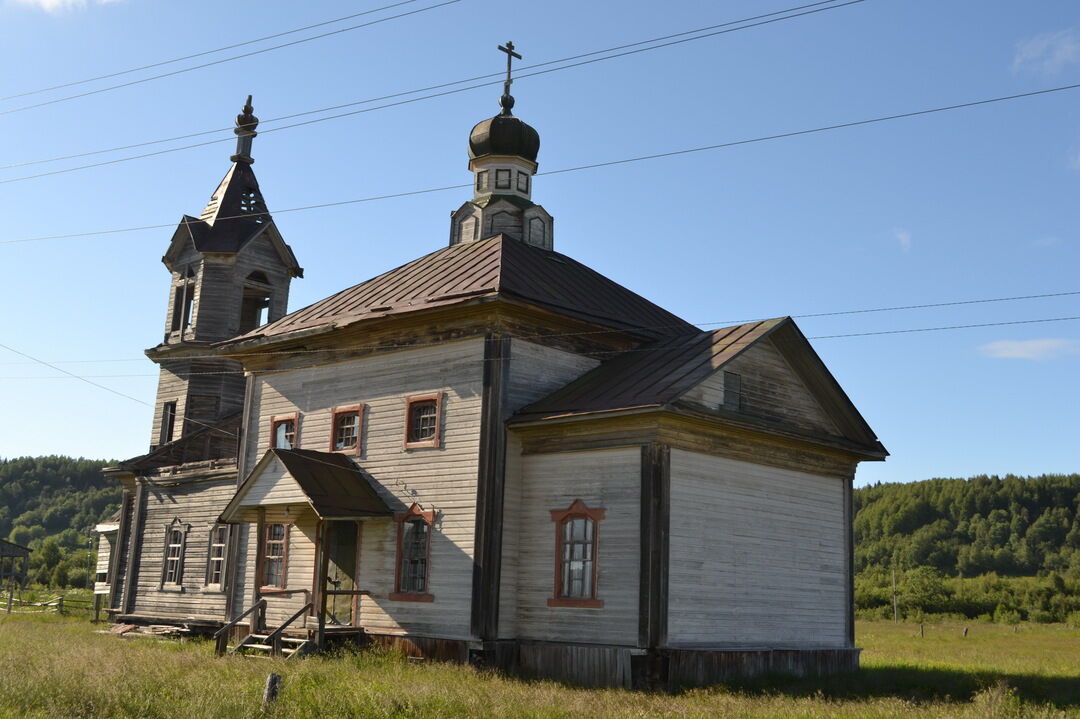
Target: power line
[444,93]
[203,53]
[700,325]
[440,86]
[561,335]
[611,163]
[224,60]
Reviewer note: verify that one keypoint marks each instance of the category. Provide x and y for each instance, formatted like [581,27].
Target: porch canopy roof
[329,483]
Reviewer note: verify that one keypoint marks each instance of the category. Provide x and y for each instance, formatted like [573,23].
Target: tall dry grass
[53,667]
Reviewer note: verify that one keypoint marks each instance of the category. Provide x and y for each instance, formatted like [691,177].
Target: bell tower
[502,158]
[230,273]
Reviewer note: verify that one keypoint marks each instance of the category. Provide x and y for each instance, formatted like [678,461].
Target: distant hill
[1006,548]
[50,504]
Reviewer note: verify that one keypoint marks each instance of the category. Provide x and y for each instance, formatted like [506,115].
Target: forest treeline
[1000,548]
[51,505]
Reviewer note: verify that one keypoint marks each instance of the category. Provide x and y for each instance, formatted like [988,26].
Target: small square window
[502,179]
[422,421]
[523,182]
[345,432]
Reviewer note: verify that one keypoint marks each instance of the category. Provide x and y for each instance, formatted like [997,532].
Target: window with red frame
[414,555]
[576,541]
[283,433]
[345,434]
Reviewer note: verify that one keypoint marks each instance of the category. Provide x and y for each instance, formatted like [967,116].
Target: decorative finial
[507,100]
[246,122]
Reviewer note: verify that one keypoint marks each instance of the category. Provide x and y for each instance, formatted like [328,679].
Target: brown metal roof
[334,486]
[498,267]
[650,376]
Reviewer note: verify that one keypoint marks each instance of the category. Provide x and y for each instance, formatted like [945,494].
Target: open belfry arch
[492,454]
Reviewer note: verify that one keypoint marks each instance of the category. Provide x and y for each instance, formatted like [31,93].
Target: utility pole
[895,608]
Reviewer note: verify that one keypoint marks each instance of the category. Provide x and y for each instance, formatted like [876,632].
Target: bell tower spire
[230,273]
[502,152]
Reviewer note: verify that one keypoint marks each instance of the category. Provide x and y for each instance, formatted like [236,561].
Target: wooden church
[492,454]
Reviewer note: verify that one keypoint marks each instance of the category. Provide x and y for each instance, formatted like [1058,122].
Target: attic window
[732,391]
[502,179]
[252,204]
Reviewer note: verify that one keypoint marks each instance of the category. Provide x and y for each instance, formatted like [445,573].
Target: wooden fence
[59,604]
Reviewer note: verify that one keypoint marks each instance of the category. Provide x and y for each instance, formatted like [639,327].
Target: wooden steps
[255,645]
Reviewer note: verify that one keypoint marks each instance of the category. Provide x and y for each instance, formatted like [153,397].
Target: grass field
[57,667]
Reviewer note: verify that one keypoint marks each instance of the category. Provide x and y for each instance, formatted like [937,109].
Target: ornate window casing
[217,552]
[577,533]
[347,429]
[172,559]
[285,431]
[411,577]
[423,421]
[275,562]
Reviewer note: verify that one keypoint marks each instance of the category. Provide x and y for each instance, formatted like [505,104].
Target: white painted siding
[770,389]
[607,479]
[756,555]
[274,486]
[535,371]
[443,478]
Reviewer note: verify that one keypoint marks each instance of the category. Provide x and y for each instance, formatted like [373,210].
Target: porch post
[321,570]
[260,559]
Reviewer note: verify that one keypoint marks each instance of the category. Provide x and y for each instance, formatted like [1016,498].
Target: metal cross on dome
[507,100]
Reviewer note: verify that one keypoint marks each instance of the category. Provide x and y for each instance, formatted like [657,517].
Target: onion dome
[504,134]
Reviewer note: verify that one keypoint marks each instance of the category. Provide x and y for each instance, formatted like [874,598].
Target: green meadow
[52,666]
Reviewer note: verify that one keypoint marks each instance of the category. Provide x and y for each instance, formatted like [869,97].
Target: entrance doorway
[342,594]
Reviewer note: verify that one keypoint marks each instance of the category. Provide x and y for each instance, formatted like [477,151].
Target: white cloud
[903,237]
[1048,53]
[1048,241]
[1045,349]
[57,6]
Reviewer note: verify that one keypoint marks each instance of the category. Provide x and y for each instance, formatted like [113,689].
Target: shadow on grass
[920,684]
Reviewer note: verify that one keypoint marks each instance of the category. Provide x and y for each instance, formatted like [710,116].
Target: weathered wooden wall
[441,478]
[757,556]
[770,389]
[608,479]
[535,371]
[197,503]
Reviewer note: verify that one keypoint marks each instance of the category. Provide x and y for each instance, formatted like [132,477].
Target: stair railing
[274,638]
[222,635]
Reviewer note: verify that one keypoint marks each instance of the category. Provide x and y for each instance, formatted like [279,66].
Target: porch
[304,512]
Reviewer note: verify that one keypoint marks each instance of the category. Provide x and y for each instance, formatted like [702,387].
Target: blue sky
[972,204]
